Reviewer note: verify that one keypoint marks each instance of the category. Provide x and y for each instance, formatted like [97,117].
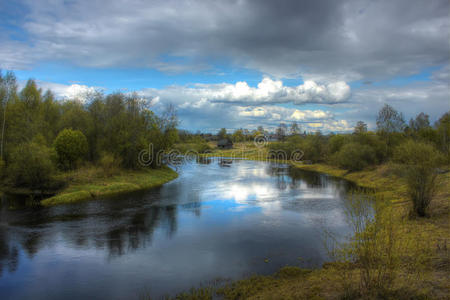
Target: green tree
[31,166]
[420,122]
[313,147]
[238,135]
[50,112]
[390,126]
[443,134]
[360,127]
[281,132]
[8,89]
[355,156]
[417,162]
[336,142]
[71,146]
[222,134]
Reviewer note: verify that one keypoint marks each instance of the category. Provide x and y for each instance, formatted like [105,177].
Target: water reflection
[210,222]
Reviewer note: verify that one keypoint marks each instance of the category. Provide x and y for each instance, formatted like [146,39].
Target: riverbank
[421,263]
[87,184]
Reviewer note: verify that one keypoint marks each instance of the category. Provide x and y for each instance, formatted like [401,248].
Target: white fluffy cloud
[208,107]
[73,91]
[273,91]
[268,91]
[283,114]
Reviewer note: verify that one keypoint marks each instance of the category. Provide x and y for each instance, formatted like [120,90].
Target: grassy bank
[247,150]
[89,183]
[420,257]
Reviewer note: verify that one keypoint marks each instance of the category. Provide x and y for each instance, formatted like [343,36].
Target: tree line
[41,136]
[416,149]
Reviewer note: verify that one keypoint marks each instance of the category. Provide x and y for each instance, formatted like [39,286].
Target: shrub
[282,150]
[373,251]
[355,157]
[375,142]
[71,146]
[194,146]
[417,163]
[109,164]
[336,142]
[31,166]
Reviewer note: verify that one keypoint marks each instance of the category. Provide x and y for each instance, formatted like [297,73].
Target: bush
[374,252]
[336,142]
[355,157]
[282,150]
[71,146]
[109,164]
[31,167]
[375,142]
[195,146]
[417,163]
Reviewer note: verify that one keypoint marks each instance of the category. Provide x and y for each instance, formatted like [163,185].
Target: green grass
[88,183]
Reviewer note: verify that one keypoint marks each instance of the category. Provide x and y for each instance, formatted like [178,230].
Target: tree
[420,122]
[355,156]
[222,134]
[443,133]
[31,166]
[295,129]
[8,87]
[389,120]
[71,146]
[417,163]
[50,116]
[390,126]
[360,127]
[281,132]
[238,135]
[336,142]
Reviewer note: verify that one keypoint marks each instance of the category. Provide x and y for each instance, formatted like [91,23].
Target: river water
[213,222]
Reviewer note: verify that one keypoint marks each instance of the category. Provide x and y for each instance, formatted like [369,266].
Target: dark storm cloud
[319,40]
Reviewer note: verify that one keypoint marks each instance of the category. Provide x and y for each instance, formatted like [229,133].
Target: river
[214,221]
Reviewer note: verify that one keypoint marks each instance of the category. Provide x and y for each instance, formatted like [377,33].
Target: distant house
[225,144]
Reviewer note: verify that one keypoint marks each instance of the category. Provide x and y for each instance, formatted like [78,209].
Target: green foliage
[109,164]
[443,135]
[238,136]
[192,147]
[360,127]
[418,162]
[282,151]
[71,146]
[222,134]
[420,122]
[314,147]
[336,142]
[355,156]
[375,142]
[31,166]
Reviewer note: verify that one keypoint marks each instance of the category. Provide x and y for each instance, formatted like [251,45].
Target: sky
[324,64]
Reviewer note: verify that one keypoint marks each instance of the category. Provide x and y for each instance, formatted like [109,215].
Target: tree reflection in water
[211,221]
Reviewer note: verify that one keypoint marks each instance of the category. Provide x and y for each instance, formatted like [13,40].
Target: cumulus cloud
[268,91]
[72,91]
[283,114]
